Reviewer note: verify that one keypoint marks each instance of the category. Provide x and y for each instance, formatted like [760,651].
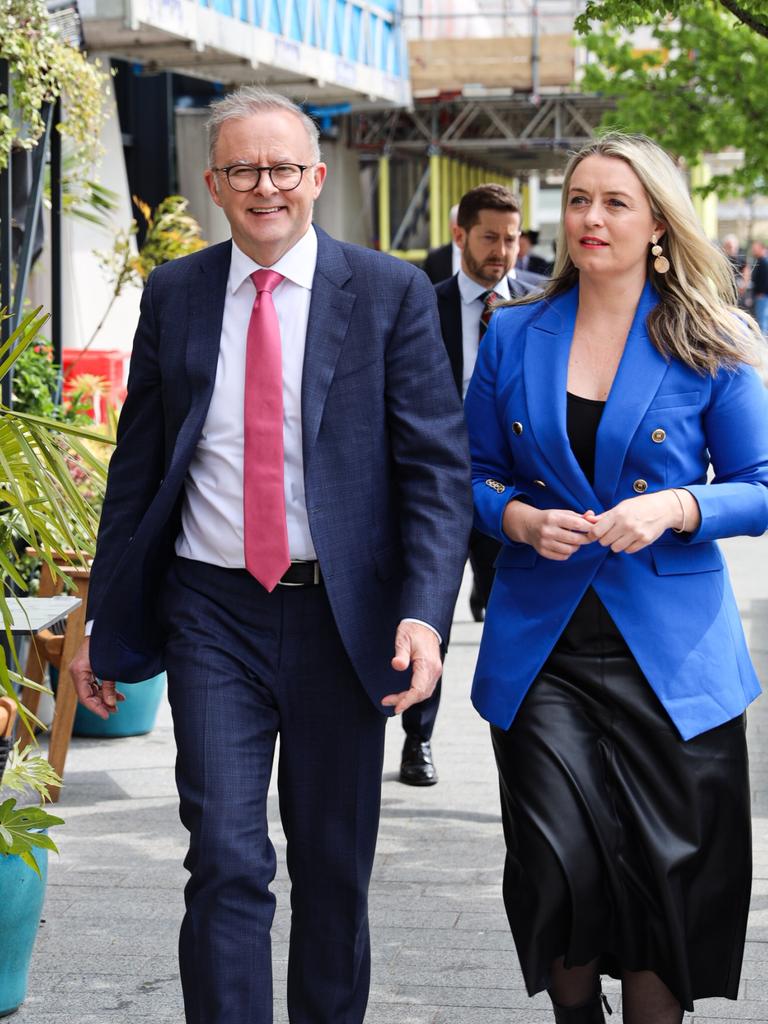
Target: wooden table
[33,616]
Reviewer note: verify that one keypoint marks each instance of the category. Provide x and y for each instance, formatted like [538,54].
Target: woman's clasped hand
[628,527]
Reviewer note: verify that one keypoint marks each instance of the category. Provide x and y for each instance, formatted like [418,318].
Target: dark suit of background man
[334,355]
[527,260]
[487,233]
[445,260]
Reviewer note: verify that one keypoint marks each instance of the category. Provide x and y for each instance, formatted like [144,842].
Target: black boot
[590,1012]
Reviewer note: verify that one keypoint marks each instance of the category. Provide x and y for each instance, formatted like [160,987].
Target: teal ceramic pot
[21,903]
[135,716]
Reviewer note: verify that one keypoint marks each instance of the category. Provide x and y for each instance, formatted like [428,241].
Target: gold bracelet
[680,529]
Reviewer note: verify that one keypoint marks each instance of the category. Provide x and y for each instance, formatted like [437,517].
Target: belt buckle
[315,572]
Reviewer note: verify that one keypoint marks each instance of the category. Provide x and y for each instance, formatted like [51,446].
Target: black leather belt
[301,574]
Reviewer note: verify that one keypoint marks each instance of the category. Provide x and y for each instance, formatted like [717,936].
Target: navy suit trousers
[245,666]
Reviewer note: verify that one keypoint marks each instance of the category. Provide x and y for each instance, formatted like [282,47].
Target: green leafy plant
[44,67]
[22,828]
[701,86]
[21,831]
[41,505]
[170,232]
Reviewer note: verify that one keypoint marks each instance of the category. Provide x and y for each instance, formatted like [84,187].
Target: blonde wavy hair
[696,320]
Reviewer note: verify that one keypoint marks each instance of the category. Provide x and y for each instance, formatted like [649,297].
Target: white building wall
[86,291]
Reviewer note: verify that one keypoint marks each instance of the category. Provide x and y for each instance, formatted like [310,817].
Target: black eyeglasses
[245,177]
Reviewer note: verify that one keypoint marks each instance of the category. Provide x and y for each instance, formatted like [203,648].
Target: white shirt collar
[298,264]
[471,291]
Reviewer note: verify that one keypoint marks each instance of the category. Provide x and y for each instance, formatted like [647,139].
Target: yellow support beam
[455,182]
[385,232]
[445,199]
[705,206]
[525,195]
[411,255]
[435,206]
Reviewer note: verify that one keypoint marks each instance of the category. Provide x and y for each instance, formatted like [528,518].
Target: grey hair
[250,100]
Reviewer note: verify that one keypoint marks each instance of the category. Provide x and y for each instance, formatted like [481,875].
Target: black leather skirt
[623,842]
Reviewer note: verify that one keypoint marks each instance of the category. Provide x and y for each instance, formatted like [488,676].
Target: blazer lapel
[205,305]
[330,312]
[545,372]
[637,380]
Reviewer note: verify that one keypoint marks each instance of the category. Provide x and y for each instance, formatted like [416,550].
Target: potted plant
[24,846]
[43,66]
[41,506]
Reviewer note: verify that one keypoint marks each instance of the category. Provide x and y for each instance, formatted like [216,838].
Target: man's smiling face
[266,222]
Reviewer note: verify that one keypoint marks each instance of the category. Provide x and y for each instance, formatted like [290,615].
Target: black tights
[645,997]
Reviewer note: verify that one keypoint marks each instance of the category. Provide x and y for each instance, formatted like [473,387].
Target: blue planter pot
[21,902]
[135,715]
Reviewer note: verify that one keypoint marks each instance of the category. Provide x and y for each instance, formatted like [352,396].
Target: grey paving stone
[443,954]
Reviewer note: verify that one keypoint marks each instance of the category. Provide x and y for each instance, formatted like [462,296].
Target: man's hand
[100,698]
[418,646]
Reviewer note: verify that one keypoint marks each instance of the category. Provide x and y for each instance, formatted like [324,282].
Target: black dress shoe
[416,765]
[476,605]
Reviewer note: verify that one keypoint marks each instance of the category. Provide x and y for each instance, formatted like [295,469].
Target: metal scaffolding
[456,143]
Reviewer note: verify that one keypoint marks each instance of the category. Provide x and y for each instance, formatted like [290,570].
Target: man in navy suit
[488,234]
[329,356]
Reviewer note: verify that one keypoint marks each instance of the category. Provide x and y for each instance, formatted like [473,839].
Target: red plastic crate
[109,364]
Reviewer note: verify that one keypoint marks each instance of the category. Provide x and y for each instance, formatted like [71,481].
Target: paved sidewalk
[442,950]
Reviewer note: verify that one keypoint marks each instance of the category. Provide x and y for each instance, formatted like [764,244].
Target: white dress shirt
[471,311]
[212,511]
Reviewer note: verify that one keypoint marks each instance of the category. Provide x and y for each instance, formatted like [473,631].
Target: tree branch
[746,17]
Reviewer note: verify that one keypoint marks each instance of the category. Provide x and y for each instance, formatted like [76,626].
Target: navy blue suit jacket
[386,463]
[449,309]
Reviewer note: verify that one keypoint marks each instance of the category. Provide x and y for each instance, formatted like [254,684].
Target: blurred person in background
[487,235]
[444,261]
[759,285]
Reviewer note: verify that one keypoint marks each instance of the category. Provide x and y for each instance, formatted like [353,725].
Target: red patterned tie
[489,300]
[264,525]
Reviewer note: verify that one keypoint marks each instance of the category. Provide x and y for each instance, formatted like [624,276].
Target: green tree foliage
[702,88]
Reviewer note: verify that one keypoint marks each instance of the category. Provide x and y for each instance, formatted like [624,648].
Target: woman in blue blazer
[613,666]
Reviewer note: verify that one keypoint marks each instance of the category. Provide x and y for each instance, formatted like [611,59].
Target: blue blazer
[386,461]
[663,426]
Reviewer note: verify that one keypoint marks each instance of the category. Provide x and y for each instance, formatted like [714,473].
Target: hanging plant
[44,67]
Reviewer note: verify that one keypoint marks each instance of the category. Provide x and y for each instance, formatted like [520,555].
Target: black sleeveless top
[582,420]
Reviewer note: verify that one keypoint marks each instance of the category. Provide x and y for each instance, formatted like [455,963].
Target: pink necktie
[264,525]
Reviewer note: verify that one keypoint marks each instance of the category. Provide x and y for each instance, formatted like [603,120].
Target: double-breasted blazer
[664,425]
[386,462]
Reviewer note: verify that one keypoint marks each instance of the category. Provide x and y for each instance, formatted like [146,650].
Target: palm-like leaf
[40,504]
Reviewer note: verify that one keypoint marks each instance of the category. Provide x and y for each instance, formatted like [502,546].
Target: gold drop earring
[661,263]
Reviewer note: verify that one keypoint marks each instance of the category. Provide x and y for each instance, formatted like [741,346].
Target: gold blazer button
[539,483]
[517,427]
[658,435]
[641,486]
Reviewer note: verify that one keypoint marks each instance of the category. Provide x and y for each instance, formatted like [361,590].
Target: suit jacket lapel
[545,371]
[205,310]
[637,380]
[330,311]
[449,308]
